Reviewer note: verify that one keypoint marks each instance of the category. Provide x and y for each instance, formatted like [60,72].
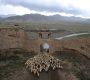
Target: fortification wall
[12,38]
[81,45]
[16,38]
[34,45]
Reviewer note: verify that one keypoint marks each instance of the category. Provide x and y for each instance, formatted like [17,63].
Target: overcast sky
[78,8]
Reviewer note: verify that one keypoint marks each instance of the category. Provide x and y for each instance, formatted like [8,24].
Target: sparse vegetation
[80,63]
[9,65]
[69,27]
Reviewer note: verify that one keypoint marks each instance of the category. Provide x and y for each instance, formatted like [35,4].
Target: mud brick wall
[17,38]
[81,45]
[12,38]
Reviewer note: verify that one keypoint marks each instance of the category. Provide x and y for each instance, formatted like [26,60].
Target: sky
[77,8]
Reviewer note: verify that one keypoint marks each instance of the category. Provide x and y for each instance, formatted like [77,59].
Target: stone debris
[43,62]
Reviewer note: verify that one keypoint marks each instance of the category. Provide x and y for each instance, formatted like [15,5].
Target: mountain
[5,16]
[87,21]
[0,18]
[41,18]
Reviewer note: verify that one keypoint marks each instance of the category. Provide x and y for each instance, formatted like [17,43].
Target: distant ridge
[0,18]
[5,16]
[41,18]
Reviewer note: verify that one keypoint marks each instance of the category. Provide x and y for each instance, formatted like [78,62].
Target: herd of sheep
[43,62]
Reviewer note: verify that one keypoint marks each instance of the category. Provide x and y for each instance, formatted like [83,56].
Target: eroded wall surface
[82,45]
[12,38]
[17,38]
